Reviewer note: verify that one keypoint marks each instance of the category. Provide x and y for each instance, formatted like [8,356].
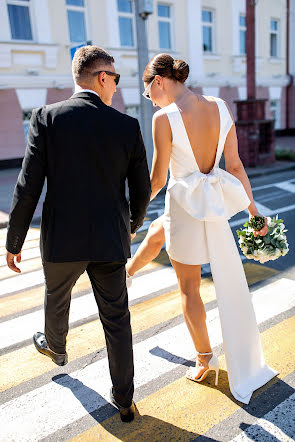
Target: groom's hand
[10,261]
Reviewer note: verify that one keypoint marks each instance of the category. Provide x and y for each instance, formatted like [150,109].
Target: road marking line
[32,234]
[27,254]
[286,185]
[26,267]
[267,186]
[27,245]
[183,410]
[278,211]
[143,316]
[21,282]
[278,423]
[23,416]
[82,307]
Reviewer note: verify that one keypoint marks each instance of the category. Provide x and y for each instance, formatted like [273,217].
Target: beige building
[36,37]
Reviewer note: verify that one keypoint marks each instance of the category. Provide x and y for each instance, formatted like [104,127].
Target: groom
[86,150]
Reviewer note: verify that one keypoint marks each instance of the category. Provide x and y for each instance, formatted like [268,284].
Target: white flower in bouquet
[263,248]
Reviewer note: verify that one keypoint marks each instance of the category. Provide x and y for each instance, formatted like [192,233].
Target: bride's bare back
[201,118]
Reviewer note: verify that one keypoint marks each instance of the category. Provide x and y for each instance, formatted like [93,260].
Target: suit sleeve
[139,183]
[29,185]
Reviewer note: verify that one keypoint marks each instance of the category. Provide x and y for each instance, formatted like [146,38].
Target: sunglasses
[146,92]
[114,74]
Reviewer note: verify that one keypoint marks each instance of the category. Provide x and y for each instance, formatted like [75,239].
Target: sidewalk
[8,179]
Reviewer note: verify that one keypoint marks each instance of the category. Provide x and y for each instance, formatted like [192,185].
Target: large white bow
[211,196]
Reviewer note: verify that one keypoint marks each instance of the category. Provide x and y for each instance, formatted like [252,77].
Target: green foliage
[257,222]
[284,154]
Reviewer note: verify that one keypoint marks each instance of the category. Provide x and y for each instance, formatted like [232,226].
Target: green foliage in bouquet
[257,222]
[264,248]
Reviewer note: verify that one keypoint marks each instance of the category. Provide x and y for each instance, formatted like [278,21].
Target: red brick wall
[230,94]
[12,139]
[263,92]
[54,95]
[118,102]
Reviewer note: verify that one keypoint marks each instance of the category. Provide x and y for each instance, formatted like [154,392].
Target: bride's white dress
[197,209]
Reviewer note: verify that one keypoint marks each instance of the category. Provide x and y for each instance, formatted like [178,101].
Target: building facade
[36,37]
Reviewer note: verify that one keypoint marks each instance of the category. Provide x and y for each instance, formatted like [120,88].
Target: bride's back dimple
[202,123]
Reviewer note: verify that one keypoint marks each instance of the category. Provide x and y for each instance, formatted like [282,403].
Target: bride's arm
[162,138]
[234,165]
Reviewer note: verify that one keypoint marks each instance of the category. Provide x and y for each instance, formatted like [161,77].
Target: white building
[36,37]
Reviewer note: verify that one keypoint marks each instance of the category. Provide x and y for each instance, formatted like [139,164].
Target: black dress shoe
[40,343]
[126,413]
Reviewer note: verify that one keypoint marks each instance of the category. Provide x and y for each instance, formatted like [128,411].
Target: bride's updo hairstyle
[165,66]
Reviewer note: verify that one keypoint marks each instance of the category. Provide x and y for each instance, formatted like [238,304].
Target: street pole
[146,111]
[250,49]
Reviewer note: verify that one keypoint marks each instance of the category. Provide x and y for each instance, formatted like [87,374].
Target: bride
[190,133]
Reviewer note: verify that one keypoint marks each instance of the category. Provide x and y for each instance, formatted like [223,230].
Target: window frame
[131,16]
[277,33]
[213,27]
[169,20]
[243,29]
[83,9]
[27,4]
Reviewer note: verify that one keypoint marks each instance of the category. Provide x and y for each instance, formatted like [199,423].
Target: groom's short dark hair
[88,59]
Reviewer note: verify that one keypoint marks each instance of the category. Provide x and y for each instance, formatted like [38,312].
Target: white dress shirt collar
[77,91]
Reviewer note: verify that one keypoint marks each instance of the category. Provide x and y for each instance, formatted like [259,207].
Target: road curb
[255,174]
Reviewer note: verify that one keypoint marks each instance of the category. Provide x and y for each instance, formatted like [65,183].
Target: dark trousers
[108,280]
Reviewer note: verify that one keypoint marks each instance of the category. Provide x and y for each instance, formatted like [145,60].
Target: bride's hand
[264,230]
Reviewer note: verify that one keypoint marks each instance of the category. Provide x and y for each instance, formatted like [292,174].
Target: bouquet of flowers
[263,248]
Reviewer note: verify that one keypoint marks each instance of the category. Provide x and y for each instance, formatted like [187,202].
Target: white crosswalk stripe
[24,419]
[82,307]
[276,425]
[66,399]
[20,282]
[27,254]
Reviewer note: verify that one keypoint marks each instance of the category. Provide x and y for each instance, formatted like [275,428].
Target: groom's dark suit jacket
[86,151]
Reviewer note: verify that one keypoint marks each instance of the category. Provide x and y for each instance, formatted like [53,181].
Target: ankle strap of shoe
[210,353]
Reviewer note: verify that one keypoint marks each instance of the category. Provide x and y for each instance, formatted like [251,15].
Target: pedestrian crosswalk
[40,401]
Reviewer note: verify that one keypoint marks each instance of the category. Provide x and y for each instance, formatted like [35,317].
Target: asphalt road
[40,401]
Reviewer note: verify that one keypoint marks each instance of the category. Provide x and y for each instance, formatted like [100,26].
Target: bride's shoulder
[161,122]
[161,114]
[211,98]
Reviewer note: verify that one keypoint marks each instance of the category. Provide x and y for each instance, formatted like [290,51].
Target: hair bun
[180,70]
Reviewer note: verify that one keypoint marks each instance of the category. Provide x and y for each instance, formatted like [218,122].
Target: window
[274,38]
[276,113]
[242,34]
[164,26]
[208,31]
[125,9]
[76,20]
[20,19]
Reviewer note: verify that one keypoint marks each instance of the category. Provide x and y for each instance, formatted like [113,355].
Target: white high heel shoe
[213,364]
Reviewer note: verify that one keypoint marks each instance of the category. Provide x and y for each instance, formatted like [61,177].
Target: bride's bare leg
[189,281]
[149,249]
